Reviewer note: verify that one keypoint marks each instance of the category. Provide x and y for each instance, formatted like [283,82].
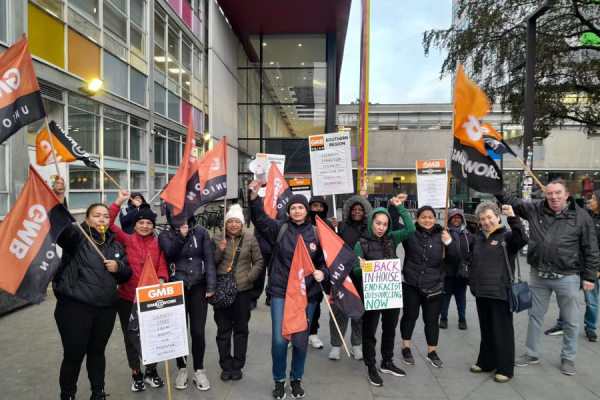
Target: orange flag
[277,194]
[148,278]
[212,168]
[65,148]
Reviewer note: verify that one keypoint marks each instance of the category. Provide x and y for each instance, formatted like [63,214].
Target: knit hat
[145,212]
[235,211]
[298,198]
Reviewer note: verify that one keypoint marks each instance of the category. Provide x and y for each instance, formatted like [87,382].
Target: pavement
[31,353]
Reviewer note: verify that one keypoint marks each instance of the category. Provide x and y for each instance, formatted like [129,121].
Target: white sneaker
[334,354]
[289,344]
[200,380]
[181,380]
[315,342]
[357,350]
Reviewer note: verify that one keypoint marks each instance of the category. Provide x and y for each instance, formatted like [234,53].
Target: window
[115,74]
[138,84]
[159,149]
[160,94]
[115,139]
[3,22]
[137,140]
[89,8]
[174,106]
[115,21]
[174,149]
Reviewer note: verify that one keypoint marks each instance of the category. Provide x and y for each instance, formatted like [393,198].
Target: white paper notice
[432,183]
[331,164]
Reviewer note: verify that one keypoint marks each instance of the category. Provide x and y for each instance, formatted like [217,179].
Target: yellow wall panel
[46,36]
[84,56]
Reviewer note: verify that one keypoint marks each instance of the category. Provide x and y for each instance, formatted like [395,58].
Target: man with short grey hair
[563,254]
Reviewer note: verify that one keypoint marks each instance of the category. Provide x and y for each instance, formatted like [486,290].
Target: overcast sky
[399,72]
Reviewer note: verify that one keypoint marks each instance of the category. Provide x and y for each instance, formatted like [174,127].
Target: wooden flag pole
[446,211]
[52,146]
[334,211]
[91,241]
[531,173]
[168,379]
[159,192]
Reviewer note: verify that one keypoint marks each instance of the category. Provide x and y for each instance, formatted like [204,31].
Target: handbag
[226,286]
[434,292]
[519,294]
[463,270]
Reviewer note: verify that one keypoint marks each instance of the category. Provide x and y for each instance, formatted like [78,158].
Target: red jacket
[137,249]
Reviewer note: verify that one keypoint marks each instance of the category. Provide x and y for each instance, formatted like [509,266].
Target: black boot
[99,395]
[443,323]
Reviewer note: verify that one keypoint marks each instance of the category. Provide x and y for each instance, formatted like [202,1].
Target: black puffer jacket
[423,262]
[488,273]
[82,275]
[193,257]
[461,238]
[283,252]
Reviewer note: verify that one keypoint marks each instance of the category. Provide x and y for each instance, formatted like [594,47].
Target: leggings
[413,300]
[196,307]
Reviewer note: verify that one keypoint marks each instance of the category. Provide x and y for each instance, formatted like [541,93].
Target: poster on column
[331,164]
[432,183]
[163,331]
[278,159]
[382,284]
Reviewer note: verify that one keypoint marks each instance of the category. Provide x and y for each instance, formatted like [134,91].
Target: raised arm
[267,227]
[409,226]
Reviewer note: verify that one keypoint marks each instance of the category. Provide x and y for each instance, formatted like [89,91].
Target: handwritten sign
[432,183]
[382,284]
[331,164]
[163,331]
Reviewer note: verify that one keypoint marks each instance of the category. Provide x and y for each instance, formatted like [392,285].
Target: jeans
[456,287]
[590,318]
[279,343]
[567,294]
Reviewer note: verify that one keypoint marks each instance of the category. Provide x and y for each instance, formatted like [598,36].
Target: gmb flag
[470,161]
[494,141]
[65,148]
[28,237]
[20,98]
[212,168]
[277,194]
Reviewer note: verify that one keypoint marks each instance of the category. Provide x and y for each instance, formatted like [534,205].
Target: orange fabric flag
[65,148]
[277,194]
[212,168]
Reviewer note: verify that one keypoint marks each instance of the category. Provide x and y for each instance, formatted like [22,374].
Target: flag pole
[91,241]
[334,212]
[159,192]
[530,172]
[168,379]
[52,146]
[446,210]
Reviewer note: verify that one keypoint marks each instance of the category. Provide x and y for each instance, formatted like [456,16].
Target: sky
[399,71]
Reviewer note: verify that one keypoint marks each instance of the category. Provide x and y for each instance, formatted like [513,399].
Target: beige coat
[250,263]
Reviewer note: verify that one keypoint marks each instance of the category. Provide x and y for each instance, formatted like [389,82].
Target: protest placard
[331,164]
[382,284]
[301,186]
[432,182]
[163,331]
[278,159]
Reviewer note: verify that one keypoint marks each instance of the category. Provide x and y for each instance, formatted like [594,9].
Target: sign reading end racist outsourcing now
[382,284]
[163,331]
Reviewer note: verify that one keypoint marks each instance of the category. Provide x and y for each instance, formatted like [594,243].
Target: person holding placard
[423,283]
[377,243]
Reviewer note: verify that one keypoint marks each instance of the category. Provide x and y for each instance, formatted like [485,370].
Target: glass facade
[3,21]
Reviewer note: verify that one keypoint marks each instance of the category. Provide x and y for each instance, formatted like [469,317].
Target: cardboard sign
[331,164]
[382,284]
[432,183]
[163,330]
[278,159]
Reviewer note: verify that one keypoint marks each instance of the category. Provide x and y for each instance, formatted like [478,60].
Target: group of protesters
[440,262]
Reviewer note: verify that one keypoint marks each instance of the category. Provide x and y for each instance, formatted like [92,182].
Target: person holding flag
[138,246]
[86,293]
[283,236]
[377,243]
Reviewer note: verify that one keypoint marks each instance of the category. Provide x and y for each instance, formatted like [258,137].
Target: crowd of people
[94,284]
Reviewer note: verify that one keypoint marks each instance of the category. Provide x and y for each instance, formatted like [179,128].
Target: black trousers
[314,323]
[389,322]
[133,358]
[233,320]
[259,284]
[413,301]
[497,348]
[196,308]
[84,331]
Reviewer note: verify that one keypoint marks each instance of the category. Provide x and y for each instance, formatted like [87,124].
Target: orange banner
[17,75]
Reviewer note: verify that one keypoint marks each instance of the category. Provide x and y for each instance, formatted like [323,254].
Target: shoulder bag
[519,294]
[226,286]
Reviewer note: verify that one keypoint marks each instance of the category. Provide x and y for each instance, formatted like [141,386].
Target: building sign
[432,183]
[331,164]
[382,284]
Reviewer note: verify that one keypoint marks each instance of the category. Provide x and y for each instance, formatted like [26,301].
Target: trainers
[297,389]
[476,369]
[151,378]
[181,380]
[226,375]
[268,303]
[289,344]
[137,383]
[315,342]
[434,359]
[462,324]
[591,336]
[407,356]
[443,323]
[99,395]
[200,380]
[334,354]
[373,376]
[279,390]
[567,367]
[388,367]
[236,374]
[253,304]
[501,378]
[554,331]
[357,350]
[525,360]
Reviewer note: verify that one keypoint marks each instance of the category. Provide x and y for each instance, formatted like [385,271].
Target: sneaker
[151,378]
[99,395]
[279,390]
[567,367]
[201,380]
[357,350]
[226,375]
[297,389]
[335,352]
[407,356]
[236,374]
[388,367]
[501,378]
[268,303]
[554,331]
[289,344]
[315,342]
[525,360]
[462,324]
[137,383]
[434,359]
[373,376]
[181,380]
[476,369]
[253,304]
[443,323]
[591,336]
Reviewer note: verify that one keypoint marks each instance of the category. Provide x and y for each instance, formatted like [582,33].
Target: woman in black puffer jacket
[86,293]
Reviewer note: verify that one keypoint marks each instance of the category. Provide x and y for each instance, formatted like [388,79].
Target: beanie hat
[235,211]
[298,198]
[145,212]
